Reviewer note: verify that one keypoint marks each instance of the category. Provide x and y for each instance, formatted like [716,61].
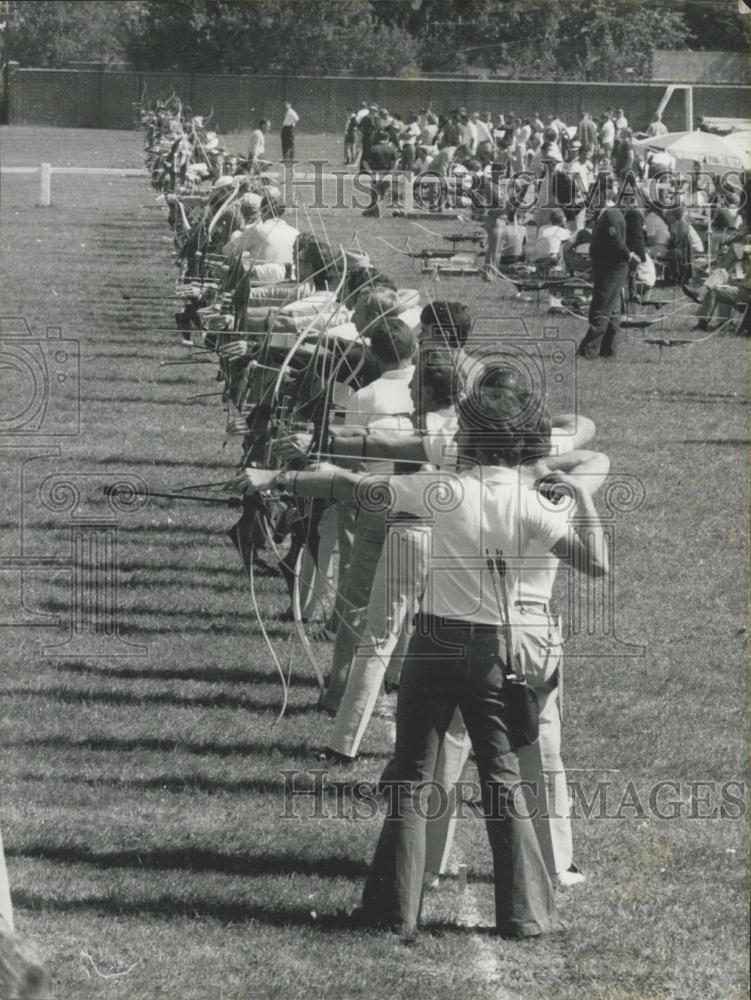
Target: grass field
[141,797]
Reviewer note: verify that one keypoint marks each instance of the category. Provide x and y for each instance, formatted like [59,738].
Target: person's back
[270,241]
[513,241]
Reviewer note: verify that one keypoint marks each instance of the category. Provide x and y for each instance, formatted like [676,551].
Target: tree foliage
[577,39]
[52,33]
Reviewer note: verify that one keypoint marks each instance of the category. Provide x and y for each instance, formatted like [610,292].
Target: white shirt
[290,118]
[439,439]
[256,143]
[549,241]
[607,132]
[584,169]
[268,242]
[468,136]
[362,113]
[385,404]
[471,511]
[483,132]
[657,128]
[388,395]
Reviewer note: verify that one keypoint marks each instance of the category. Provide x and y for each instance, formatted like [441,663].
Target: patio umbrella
[706,147]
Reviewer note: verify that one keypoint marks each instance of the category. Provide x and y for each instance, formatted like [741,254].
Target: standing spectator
[289,121]
[611,258]
[484,133]
[621,121]
[587,131]
[467,134]
[624,157]
[607,135]
[362,111]
[350,137]
[429,130]
[656,126]
[581,165]
[257,142]
[367,124]
[381,157]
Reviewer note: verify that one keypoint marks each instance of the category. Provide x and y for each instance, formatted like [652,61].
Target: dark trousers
[288,142]
[606,304]
[446,668]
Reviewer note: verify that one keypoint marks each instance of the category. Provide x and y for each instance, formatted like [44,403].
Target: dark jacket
[608,248]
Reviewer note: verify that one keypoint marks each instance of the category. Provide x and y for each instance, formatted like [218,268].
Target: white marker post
[45,191]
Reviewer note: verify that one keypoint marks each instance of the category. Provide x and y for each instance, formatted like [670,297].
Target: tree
[44,33]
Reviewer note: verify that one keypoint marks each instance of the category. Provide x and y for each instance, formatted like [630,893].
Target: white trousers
[6,910]
[394,601]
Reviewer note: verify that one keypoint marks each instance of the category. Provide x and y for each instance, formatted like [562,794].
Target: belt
[461,625]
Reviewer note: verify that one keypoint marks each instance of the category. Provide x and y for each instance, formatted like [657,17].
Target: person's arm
[358,442]
[327,482]
[580,429]
[588,468]
[583,548]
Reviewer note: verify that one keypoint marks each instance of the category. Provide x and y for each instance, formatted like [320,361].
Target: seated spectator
[681,246]
[726,287]
[513,239]
[657,232]
[550,239]
[576,252]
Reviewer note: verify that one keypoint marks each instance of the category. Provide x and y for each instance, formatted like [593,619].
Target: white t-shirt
[477,509]
[290,118]
[385,404]
[439,439]
[268,242]
[257,143]
[483,132]
[607,132]
[549,241]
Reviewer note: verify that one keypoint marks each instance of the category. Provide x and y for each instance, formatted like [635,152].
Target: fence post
[45,190]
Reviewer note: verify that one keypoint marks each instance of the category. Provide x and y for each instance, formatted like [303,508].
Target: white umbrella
[741,142]
[705,147]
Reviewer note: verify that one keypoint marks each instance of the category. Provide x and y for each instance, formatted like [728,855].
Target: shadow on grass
[169,906]
[166,782]
[196,859]
[67,696]
[207,673]
[155,744]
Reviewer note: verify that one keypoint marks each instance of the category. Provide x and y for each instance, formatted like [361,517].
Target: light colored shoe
[571,877]
[431,881]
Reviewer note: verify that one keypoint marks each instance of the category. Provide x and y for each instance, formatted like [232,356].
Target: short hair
[378,302]
[449,323]
[262,122]
[392,341]
[271,207]
[557,217]
[317,255]
[437,369]
[504,419]
[363,276]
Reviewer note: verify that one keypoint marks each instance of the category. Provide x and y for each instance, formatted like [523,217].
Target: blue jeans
[448,667]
